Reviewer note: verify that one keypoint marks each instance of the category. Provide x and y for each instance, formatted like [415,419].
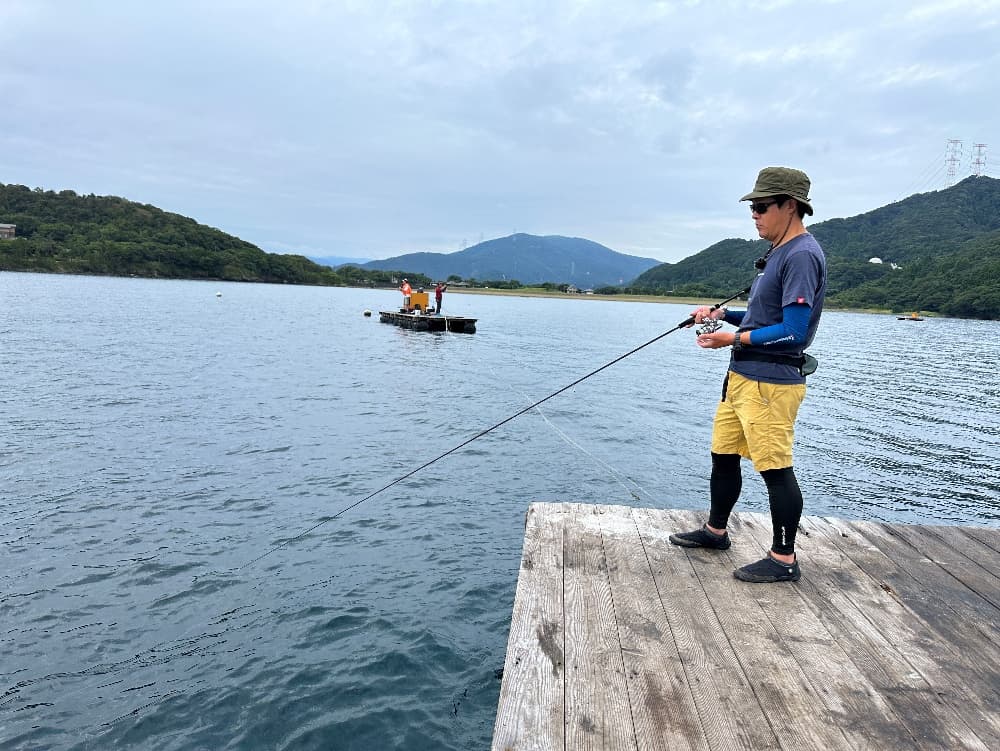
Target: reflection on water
[158,438]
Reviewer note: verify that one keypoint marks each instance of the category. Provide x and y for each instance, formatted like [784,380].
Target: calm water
[157,439]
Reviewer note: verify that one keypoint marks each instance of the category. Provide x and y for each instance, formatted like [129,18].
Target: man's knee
[726,462]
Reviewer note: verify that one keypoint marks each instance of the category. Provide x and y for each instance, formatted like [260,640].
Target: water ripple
[163,438]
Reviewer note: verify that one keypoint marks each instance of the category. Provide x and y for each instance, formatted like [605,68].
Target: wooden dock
[620,640]
[429,322]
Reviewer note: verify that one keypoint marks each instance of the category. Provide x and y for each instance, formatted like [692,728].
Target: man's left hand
[715,340]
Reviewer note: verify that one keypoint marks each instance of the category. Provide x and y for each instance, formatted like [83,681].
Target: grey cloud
[367,129]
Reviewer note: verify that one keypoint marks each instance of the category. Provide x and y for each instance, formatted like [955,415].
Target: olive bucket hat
[782,181]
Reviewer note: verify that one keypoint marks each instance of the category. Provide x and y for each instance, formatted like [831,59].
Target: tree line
[940,252]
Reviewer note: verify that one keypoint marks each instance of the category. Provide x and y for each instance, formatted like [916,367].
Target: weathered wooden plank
[987,537]
[728,708]
[845,601]
[597,707]
[782,688]
[959,613]
[664,716]
[966,560]
[926,629]
[975,547]
[926,698]
[530,712]
[887,642]
[841,696]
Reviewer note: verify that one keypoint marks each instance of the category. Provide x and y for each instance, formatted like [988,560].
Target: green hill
[69,233]
[940,253]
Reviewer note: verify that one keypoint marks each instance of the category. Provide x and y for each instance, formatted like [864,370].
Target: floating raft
[620,640]
[423,322]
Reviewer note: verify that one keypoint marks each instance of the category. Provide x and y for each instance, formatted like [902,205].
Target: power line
[928,178]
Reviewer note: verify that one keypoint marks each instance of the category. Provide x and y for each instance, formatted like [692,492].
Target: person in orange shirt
[406,289]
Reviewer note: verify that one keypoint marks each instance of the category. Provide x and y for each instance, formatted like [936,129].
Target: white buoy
[218,294]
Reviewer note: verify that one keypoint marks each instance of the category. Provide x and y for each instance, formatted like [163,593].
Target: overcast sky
[370,129]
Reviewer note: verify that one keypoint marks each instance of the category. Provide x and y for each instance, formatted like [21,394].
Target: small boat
[428,321]
[911,317]
[421,317]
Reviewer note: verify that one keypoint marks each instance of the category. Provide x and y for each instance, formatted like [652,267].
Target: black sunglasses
[761,207]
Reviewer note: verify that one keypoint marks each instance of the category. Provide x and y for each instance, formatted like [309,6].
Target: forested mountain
[529,259]
[940,252]
[69,233]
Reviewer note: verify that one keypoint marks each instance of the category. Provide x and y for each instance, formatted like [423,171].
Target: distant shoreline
[524,292]
[638,298]
[532,292]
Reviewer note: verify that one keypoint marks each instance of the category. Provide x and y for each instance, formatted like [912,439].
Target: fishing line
[683,324]
[190,645]
[182,641]
[619,476]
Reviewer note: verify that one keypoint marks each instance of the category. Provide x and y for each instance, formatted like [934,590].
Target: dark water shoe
[768,570]
[701,538]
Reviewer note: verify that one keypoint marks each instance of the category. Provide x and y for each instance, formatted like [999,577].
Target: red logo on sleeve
[800,300]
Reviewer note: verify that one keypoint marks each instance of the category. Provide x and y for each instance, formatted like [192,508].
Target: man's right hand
[705,312]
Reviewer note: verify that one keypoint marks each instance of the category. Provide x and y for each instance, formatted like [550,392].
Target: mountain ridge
[528,259]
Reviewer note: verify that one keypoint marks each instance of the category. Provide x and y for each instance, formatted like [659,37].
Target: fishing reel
[708,326]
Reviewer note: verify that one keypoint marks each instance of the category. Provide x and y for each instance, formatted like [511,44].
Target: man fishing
[765,383]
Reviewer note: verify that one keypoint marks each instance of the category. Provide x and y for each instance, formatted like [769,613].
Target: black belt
[796,361]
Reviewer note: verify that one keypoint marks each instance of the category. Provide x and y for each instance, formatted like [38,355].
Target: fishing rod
[683,324]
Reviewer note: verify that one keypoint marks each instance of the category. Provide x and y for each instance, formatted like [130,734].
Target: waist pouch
[805,364]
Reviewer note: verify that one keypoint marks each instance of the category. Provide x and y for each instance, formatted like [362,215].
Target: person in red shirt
[438,294]
[406,289]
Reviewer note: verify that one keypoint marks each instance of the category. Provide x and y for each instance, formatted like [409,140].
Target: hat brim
[768,194]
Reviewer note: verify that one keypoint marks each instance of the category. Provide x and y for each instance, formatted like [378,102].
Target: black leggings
[783,493]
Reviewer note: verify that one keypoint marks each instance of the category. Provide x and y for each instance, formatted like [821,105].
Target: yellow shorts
[757,421]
